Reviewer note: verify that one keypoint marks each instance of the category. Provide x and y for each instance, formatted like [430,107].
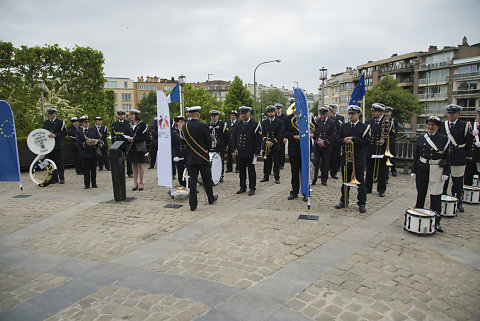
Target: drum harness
[432,144]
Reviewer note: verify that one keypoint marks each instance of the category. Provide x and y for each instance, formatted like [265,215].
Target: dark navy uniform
[120,128]
[72,135]
[336,150]
[88,155]
[219,139]
[247,142]
[290,129]
[230,130]
[473,161]
[178,150]
[153,148]
[103,160]
[197,137]
[326,132]
[271,131]
[393,145]
[281,151]
[57,127]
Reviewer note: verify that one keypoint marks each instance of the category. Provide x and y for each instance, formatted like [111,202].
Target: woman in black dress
[138,148]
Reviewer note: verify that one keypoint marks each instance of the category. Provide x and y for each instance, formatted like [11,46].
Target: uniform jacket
[179,146]
[119,129]
[474,150]
[376,135]
[288,132]
[462,135]
[247,139]
[326,131]
[423,149]
[56,127]
[103,131]
[72,134]
[154,133]
[339,120]
[361,139]
[230,131]
[139,134]
[197,137]
[272,131]
[217,130]
[85,150]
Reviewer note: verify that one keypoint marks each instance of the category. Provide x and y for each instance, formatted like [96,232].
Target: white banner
[164,153]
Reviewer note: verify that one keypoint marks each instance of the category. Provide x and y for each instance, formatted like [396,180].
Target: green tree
[237,95]
[272,96]
[148,107]
[201,97]
[387,92]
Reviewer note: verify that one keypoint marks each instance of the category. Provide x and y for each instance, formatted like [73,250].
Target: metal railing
[466,92]
[435,64]
[466,75]
[438,96]
[433,80]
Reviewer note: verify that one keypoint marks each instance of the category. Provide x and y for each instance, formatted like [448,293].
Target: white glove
[414,176]
[475,132]
[477,144]
[176,159]
[445,178]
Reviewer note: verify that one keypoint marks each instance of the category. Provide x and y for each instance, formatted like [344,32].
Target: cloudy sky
[228,38]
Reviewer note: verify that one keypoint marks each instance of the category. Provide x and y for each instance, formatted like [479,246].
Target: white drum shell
[471,195]
[449,206]
[476,181]
[418,223]
[215,168]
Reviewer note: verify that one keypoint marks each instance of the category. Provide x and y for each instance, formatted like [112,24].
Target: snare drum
[449,206]
[420,221]
[216,167]
[471,194]
[475,181]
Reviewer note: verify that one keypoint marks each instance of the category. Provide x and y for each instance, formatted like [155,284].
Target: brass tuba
[292,110]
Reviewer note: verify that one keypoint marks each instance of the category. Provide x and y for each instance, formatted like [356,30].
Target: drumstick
[472,187]
[421,212]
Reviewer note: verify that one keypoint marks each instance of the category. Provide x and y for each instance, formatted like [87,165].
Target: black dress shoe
[215,197]
[135,188]
[324,183]
[368,192]
[281,167]
[313,183]
[193,208]
[79,173]
[340,205]
[460,208]
[265,179]
[394,174]
[100,169]
[242,190]
[251,192]
[94,185]
[151,167]
[86,187]
[131,175]
[305,198]
[277,180]
[381,194]
[140,188]
[228,171]
[292,196]
[334,176]
[439,228]
[362,208]
[62,181]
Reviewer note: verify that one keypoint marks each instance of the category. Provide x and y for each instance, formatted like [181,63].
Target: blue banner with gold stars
[301,107]
[9,166]
[358,92]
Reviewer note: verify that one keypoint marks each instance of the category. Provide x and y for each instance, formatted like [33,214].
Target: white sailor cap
[194,109]
[278,106]
[98,118]
[291,100]
[214,112]
[388,108]
[333,106]
[453,108]
[354,109]
[245,109]
[83,118]
[323,109]
[120,111]
[51,110]
[378,106]
[478,110]
[234,112]
[434,119]
[270,108]
[73,119]
[134,111]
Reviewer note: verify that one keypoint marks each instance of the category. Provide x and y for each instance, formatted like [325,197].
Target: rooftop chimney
[464,41]
[432,48]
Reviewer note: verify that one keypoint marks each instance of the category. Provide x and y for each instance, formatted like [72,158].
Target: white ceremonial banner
[164,152]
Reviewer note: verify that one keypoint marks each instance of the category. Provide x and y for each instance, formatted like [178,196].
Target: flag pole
[363,110]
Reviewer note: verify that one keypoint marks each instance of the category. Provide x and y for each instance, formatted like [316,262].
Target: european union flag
[358,92]
[9,166]
[303,124]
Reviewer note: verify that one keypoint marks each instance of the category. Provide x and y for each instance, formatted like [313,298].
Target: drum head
[421,212]
[216,167]
[39,142]
[447,198]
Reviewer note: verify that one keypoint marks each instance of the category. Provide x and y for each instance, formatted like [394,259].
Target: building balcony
[434,81]
[474,74]
[465,92]
[432,97]
[435,65]
[397,69]
[406,83]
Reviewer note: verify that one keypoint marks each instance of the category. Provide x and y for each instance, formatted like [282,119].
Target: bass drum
[215,168]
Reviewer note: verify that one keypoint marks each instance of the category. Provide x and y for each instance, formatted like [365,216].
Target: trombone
[349,150]
[385,134]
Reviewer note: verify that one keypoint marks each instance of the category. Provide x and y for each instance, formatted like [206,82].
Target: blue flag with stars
[358,92]
[9,166]
[303,124]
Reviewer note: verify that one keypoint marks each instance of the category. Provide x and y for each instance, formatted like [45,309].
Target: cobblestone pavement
[71,254]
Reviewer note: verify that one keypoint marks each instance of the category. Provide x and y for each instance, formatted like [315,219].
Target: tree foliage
[148,107]
[74,80]
[237,95]
[387,92]
[272,96]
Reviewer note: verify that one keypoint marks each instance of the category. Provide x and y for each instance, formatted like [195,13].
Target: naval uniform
[219,139]
[281,151]
[57,127]
[197,137]
[120,128]
[72,135]
[294,153]
[393,145]
[459,134]
[153,148]
[178,150]
[430,162]
[230,130]
[473,162]
[103,160]
[88,155]
[361,139]
[138,147]
[336,150]
[271,131]
[247,142]
[326,132]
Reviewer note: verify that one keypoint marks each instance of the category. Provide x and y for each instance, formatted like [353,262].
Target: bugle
[349,151]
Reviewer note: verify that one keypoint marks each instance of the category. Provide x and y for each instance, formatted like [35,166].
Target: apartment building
[216,88]
[338,89]
[123,91]
[145,85]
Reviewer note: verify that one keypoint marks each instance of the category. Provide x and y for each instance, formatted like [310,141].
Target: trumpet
[349,150]
[267,150]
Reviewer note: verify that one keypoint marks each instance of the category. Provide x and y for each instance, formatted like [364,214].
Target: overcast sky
[228,38]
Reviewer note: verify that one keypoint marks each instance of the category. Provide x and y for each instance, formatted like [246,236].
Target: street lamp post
[323,77]
[42,88]
[255,86]
[208,80]
[181,81]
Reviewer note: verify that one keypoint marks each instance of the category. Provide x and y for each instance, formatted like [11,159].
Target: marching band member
[458,131]
[87,140]
[153,148]
[246,144]
[57,130]
[271,129]
[119,128]
[325,139]
[335,153]
[219,136]
[103,131]
[72,135]
[138,148]
[430,167]
[473,162]
[280,115]
[393,139]
[229,128]
[357,133]
[197,137]
[178,149]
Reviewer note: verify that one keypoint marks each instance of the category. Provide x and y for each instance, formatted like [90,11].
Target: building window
[167,88]
[125,84]
[111,84]
[147,87]
[126,97]
[115,96]
[468,104]
[126,106]
[467,69]
[466,85]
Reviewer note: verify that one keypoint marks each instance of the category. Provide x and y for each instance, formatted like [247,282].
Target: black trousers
[281,154]
[272,159]
[295,170]
[382,174]
[230,161]
[89,166]
[180,166]
[152,151]
[243,165]
[362,191]
[204,170]
[78,164]
[421,183]
[104,159]
[57,157]
[457,188]
[470,170]
[393,150]
[335,159]
[321,160]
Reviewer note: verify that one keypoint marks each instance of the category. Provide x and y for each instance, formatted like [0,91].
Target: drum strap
[366,131]
[194,141]
[432,144]
[447,129]
[476,126]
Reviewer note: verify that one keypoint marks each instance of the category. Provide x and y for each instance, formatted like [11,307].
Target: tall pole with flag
[358,94]
[9,162]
